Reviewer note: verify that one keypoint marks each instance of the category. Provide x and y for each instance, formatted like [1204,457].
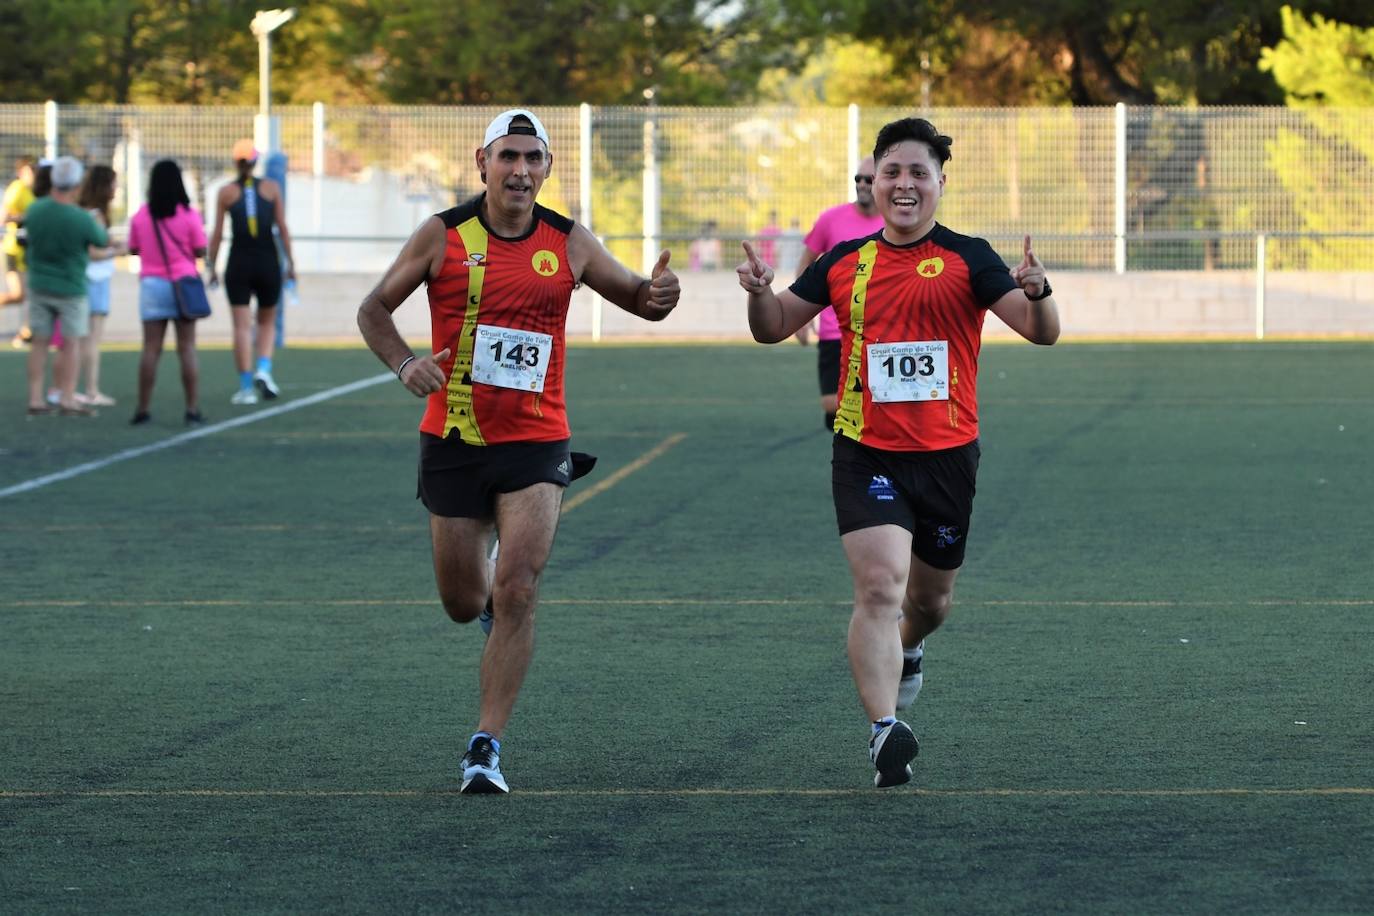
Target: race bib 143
[509,358]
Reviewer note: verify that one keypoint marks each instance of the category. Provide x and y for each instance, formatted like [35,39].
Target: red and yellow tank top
[501,305]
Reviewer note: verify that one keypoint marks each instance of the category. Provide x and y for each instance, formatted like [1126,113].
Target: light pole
[265,22]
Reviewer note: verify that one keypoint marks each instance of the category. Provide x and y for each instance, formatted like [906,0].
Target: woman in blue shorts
[168,236]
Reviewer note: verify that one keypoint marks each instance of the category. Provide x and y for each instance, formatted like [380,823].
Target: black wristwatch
[1044,293]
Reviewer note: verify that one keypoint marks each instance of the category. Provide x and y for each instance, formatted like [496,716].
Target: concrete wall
[1165,304]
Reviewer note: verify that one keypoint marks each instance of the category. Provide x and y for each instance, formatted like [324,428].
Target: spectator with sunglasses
[853,220]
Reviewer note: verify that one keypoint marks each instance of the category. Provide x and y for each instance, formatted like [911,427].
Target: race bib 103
[910,371]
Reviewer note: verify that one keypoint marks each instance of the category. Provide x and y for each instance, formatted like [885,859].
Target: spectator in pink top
[167,215]
[767,245]
[838,224]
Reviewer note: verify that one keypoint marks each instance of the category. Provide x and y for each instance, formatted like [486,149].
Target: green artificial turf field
[226,684]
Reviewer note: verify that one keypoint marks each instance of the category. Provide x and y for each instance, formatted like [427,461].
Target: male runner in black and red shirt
[494,453]
[910,300]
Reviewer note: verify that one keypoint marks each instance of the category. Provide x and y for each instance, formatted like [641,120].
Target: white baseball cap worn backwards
[500,126]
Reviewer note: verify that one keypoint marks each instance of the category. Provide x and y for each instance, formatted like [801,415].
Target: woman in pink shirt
[182,241]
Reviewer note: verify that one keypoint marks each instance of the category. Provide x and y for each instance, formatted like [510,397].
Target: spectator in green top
[62,238]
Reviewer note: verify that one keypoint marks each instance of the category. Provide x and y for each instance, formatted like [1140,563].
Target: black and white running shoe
[892,748]
[482,767]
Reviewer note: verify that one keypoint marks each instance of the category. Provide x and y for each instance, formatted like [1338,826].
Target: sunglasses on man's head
[863,179]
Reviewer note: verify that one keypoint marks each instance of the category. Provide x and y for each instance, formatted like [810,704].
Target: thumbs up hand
[664,290]
[423,375]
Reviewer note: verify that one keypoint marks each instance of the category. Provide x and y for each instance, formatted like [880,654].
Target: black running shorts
[253,273]
[929,494]
[458,480]
[828,365]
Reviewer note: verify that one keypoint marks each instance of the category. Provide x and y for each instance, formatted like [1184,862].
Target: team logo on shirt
[476,259]
[544,262]
[931,268]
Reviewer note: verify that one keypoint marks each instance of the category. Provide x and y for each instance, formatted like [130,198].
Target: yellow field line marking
[603,485]
[681,602]
[1315,791]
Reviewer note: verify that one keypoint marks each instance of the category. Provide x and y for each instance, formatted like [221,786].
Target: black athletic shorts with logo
[458,480]
[929,494]
[828,365]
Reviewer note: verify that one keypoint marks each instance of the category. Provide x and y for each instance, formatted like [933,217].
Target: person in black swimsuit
[255,206]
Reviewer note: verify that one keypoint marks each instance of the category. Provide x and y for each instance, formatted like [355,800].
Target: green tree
[43,45]
[567,51]
[1326,68]
[1084,52]
[1321,62]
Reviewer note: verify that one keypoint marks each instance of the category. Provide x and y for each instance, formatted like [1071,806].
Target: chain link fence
[1099,188]
[1237,205]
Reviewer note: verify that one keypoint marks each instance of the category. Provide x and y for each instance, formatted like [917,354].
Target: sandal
[100,400]
[40,411]
[76,410]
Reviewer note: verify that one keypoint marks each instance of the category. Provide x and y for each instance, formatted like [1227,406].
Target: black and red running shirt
[517,285]
[936,289]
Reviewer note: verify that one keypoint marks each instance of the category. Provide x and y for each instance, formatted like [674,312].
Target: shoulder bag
[192,301]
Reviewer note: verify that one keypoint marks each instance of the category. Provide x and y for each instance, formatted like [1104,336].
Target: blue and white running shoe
[482,767]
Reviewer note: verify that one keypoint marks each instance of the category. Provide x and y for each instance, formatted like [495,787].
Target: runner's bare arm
[651,298]
[280,215]
[217,234]
[803,334]
[418,261]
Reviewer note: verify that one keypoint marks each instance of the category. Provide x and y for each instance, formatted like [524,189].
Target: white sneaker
[910,684]
[244,396]
[266,385]
[892,748]
[482,768]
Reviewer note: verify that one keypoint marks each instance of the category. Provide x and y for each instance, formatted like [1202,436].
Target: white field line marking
[1243,792]
[602,486]
[634,602]
[181,439]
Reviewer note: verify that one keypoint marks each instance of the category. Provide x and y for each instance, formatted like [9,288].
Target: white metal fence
[1102,188]
[1113,190]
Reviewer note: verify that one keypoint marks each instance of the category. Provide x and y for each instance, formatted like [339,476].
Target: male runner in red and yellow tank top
[494,453]
[910,300]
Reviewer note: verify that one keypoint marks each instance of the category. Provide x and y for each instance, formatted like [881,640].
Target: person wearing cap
[62,238]
[254,206]
[494,456]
